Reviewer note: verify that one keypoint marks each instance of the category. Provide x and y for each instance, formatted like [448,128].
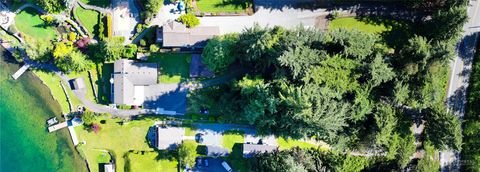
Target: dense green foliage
[69,59]
[218,53]
[471,130]
[190,20]
[187,152]
[52,6]
[430,161]
[151,7]
[443,129]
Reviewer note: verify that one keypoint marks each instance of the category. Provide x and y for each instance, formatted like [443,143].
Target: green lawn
[147,161]
[174,68]
[232,137]
[289,143]
[189,131]
[100,3]
[53,83]
[28,22]
[117,138]
[223,5]
[89,19]
[393,33]
[354,23]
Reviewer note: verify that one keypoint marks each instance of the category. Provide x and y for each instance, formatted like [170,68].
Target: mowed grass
[223,5]
[52,81]
[290,143]
[29,23]
[147,161]
[100,3]
[174,68]
[89,19]
[117,138]
[232,137]
[354,23]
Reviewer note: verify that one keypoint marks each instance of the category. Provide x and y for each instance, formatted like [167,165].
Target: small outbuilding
[251,149]
[77,83]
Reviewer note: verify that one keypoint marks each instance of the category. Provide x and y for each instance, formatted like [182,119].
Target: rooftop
[176,34]
[129,78]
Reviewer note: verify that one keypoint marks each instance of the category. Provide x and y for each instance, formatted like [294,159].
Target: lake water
[25,145]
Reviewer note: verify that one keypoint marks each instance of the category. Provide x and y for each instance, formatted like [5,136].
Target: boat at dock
[52,121]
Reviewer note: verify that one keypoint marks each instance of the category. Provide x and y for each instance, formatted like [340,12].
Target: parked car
[199,162]
[206,162]
[226,166]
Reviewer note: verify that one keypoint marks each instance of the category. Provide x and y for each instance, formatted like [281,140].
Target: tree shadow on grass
[398,31]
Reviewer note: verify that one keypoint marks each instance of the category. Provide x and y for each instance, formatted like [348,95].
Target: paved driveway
[169,97]
[214,165]
[124,18]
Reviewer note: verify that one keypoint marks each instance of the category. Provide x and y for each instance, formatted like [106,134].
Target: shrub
[190,20]
[335,14]
[143,43]
[47,18]
[109,26]
[96,128]
[72,36]
[154,48]
[139,28]
[101,29]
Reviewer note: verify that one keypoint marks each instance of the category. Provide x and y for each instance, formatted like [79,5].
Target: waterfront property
[175,34]
[130,79]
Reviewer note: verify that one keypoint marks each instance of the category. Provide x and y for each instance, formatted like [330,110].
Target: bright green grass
[89,19]
[232,137]
[190,131]
[52,81]
[147,161]
[104,73]
[289,143]
[353,23]
[174,68]
[28,22]
[100,3]
[220,6]
[119,139]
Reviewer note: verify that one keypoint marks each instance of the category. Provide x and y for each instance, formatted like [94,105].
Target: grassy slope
[89,19]
[116,138]
[219,6]
[174,68]
[28,22]
[232,137]
[148,162]
[53,82]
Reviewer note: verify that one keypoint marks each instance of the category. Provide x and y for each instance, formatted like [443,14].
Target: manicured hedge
[109,26]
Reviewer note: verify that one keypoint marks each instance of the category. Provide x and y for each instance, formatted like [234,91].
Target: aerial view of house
[239,85]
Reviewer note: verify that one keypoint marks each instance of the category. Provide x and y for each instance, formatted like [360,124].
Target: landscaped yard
[148,161]
[53,83]
[223,5]
[90,95]
[354,23]
[174,68]
[100,3]
[89,19]
[232,137]
[29,23]
[115,137]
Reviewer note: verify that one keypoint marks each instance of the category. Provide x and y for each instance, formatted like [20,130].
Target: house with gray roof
[176,34]
[130,79]
[251,149]
[169,137]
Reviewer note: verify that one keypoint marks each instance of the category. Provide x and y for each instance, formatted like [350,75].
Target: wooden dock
[20,71]
[57,126]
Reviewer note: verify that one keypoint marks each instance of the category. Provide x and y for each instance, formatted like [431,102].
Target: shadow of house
[171,102]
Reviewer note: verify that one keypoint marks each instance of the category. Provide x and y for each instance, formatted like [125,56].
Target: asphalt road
[458,83]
